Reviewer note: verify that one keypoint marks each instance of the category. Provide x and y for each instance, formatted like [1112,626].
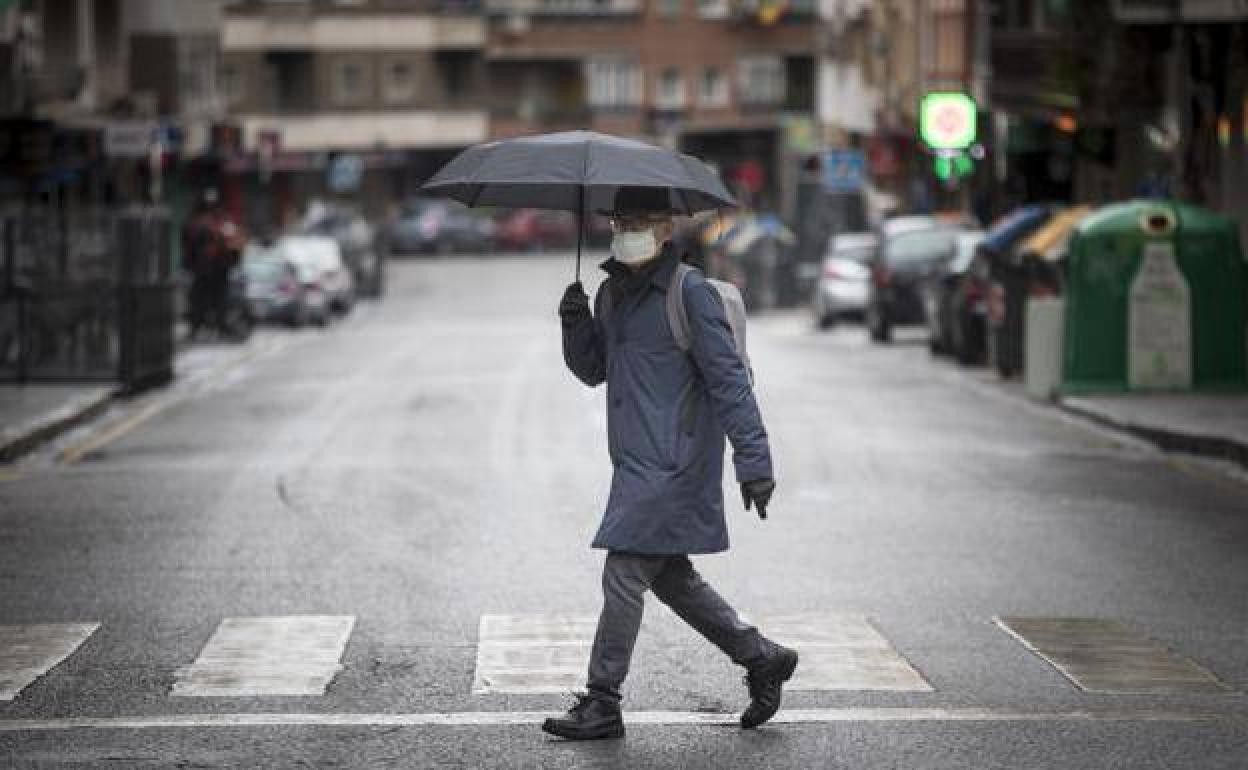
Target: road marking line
[74,454]
[29,652]
[291,655]
[673,718]
[842,652]
[532,653]
[1105,656]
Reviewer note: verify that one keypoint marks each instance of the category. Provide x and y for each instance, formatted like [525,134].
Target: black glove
[575,303]
[759,492]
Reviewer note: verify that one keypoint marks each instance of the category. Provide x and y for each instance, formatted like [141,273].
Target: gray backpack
[678,317]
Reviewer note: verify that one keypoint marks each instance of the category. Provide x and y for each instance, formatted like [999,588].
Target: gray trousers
[625,579]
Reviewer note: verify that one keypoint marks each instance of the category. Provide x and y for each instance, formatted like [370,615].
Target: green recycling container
[1156,300]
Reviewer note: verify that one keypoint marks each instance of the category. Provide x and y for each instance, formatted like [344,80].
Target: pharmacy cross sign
[947,120]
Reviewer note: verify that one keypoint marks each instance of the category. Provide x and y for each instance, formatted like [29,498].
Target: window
[349,84]
[713,9]
[671,90]
[614,82]
[231,83]
[713,88]
[398,82]
[761,80]
[669,8]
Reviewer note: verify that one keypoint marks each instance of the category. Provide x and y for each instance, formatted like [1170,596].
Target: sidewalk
[1213,425]
[33,414]
[36,413]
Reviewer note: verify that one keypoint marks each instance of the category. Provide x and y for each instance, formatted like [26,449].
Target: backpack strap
[677,316]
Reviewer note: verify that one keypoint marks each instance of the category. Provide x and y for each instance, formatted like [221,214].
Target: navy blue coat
[667,414]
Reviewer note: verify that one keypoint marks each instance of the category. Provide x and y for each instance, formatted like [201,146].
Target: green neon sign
[947,120]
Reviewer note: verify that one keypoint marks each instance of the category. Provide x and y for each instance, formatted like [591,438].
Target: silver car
[841,288]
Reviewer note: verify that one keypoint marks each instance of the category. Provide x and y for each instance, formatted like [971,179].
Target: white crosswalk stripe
[1105,656]
[290,655]
[29,652]
[532,653]
[841,652]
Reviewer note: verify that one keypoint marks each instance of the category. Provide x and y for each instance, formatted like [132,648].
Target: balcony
[400,32]
[563,7]
[412,129]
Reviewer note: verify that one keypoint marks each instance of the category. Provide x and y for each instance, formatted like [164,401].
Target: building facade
[390,88]
[732,82]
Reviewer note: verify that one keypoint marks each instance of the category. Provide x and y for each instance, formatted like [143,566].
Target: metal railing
[86,296]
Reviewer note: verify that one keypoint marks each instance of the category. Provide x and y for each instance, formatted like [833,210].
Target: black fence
[87,296]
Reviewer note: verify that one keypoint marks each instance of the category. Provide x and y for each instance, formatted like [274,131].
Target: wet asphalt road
[429,460]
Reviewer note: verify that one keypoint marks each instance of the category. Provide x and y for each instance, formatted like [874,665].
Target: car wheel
[826,321]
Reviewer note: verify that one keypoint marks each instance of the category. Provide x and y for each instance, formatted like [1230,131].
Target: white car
[321,268]
[841,288]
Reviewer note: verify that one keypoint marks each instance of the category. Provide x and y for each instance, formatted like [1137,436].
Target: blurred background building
[732,82]
[280,101]
[356,97]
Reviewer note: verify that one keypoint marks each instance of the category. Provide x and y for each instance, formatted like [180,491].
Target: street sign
[130,138]
[947,120]
[844,170]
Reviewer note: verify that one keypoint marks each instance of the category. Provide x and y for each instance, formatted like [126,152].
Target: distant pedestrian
[211,245]
[668,413]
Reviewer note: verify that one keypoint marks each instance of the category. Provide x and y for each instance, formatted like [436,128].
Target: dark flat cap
[655,200]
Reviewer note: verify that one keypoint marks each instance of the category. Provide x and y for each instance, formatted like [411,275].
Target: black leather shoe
[590,719]
[766,682]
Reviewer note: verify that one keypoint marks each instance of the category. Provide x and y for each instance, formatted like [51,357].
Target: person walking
[212,244]
[668,413]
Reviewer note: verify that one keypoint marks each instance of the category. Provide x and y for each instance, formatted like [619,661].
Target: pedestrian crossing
[28,652]
[296,655]
[300,655]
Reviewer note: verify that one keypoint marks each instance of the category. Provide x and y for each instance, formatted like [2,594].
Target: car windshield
[921,245]
[264,269]
[855,253]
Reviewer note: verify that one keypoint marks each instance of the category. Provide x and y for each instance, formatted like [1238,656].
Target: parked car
[319,262]
[272,287]
[940,292]
[841,288]
[356,238]
[908,249]
[535,229]
[441,227]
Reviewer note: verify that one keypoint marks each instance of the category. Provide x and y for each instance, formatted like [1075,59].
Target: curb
[1216,447]
[15,443]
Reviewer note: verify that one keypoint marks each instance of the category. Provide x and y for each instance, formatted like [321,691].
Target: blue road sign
[844,170]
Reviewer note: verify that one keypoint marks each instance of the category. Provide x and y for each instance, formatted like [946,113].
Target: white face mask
[634,248]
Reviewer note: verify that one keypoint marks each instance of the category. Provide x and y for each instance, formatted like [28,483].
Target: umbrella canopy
[576,171]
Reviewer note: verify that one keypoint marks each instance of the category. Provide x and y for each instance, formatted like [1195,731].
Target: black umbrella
[576,171]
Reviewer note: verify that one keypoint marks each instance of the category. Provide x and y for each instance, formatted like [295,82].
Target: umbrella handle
[580,227]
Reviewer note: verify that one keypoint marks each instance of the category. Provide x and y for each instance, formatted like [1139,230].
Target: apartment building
[877,59]
[122,91]
[395,85]
[718,78]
